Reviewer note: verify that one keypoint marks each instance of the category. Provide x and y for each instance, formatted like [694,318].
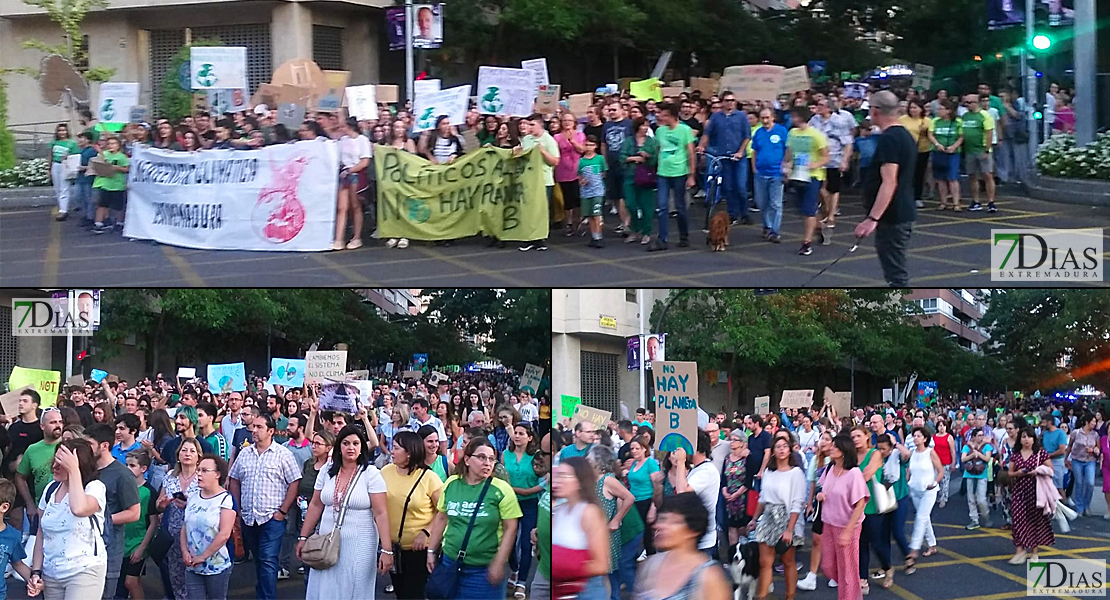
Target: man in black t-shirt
[888,191]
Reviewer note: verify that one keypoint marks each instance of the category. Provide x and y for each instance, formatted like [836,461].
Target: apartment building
[956,310]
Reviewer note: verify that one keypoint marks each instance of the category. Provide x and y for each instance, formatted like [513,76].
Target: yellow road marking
[53,252]
[347,273]
[989,568]
[187,272]
[471,268]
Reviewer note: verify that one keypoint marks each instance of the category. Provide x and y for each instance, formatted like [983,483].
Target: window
[630,295]
[600,381]
[327,47]
[929,305]
[164,45]
[82,50]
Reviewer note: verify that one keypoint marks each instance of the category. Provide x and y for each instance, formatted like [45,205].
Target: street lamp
[1042,42]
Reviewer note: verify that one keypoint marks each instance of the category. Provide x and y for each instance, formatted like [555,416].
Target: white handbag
[885,500]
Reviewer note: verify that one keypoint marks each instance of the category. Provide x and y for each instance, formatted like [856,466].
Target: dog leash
[846,253]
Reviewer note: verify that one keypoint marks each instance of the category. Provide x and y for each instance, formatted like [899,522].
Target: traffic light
[1038,115]
[1041,42]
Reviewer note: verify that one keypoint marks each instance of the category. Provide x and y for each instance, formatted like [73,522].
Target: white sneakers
[809,582]
[832,583]
[397,243]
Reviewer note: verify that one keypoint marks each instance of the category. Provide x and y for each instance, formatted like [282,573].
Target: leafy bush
[7,139]
[1059,157]
[30,173]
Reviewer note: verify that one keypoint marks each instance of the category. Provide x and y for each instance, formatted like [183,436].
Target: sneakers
[774,238]
[620,228]
[644,241]
[283,574]
[642,557]
[920,204]
[975,206]
[62,216]
[826,237]
[100,228]
[683,243]
[403,243]
[806,249]
[753,209]
[613,210]
[972,527]
[526,246]
[541,246]
[832,583]
[991,207]
[809,582]
[391,243]
[596,243]
[389,588]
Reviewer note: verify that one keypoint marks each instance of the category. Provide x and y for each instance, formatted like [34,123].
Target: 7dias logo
[1046,255]
[1066,577]
[46,317]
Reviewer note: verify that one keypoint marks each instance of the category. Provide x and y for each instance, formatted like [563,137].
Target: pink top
[841,495]
[567,169]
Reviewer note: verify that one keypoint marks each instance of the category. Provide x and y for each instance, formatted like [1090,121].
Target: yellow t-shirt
[751,151]
[805,147]
[420,511]
[917,127]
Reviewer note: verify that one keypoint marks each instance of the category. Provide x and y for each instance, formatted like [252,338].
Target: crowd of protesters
[444,482]
[850,481]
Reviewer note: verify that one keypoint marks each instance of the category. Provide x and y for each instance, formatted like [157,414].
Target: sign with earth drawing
[116,101]
[503,91]
[428,106]
[218,67]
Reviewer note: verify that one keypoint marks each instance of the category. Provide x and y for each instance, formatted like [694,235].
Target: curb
[1086,192]
[35,197]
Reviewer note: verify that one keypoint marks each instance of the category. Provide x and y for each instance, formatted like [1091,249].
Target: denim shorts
[946,167]
[808,195]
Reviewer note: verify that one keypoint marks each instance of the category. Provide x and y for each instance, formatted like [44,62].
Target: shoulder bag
[443,583]
[321,551]
[885,500]
[401,530]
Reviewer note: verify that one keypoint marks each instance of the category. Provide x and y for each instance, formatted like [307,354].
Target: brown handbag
[321,551]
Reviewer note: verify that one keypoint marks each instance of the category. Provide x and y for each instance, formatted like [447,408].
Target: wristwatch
[870,218]
[283,513]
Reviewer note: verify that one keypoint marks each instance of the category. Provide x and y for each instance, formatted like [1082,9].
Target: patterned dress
[610,506]
[735,472]
[1031,527]
[173,519]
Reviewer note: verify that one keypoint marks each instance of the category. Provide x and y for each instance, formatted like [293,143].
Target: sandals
[889,579]
[519,594]
[864,587]
[911,565]
[931,551]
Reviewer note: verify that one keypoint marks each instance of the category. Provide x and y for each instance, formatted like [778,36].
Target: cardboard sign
[387,93]
[538,67]
[359,375]
[796,399]
[504,91]
[547,99]
[580,104]
[113,379]
[413,375]
[679,84]
[44,381]
[267,94]
[101,168]
[76,381]
[10,401]
[922,76]
[530,379]
[567,405]
[762,405]
[676,404]
[287,371]
[429,106]
[331,95]
[795,79]
[841,401]
[218,67]
[230,377]
[753,82]
[647,89]
[362,102]
[295,94]
[290,115]
[320,365]
[186,372]
[705,85]
[600,418]
[200,103]
[672,91]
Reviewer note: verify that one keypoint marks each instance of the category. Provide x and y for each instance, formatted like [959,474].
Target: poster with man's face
[427,26]
[654,349]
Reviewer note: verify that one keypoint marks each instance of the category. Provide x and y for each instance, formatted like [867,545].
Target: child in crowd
[11,540]
[865,143]
[113,188]
[137,534]
[591,179]
[85,177]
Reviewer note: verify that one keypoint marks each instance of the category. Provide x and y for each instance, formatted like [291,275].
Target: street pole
[1028,71]
[1086,53]
[640,352]
[408,51]
[69,336]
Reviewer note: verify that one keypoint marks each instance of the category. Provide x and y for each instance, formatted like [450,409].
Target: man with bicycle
[727,134]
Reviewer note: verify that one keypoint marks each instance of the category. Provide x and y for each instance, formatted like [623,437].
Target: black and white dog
[744,570]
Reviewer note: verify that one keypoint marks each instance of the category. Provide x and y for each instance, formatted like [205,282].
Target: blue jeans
[626,570]
[210,587]
[83,195]
[264,542]
[597,588]
[768,197]
[734,187]
[896,522]
[1083,471]
[473,584]
[520,561]
[666,186]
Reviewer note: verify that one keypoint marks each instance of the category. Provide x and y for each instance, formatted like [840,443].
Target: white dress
[354,576]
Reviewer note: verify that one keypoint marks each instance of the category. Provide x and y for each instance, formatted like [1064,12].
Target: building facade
[139,39]
[956,310]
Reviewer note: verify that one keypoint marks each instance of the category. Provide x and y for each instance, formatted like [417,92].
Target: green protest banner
[568,404]
[488,191]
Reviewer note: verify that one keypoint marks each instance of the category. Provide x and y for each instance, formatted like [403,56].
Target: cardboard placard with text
[676,404]
[10,401]
[600,418]
[841,401]
[796,399]
[387,93]
[415,375]
[580,104]
[321,365]
[795,79]
[672,91]
[266,94]
[762,405]
[705,85]
[753,82]
[547,99]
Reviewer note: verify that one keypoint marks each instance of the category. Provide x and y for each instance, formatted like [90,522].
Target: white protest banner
[218,67]
[795,79]
[796,399]
[437,377]
[116,101]
[280,197]
[362,102]
[530,380]
[888,394]
[752,82]
[762,405]
[547,99]
[388,367]
[422,86]
[854,89]
[186,372]
[428,107]
[504,91]
[600,418]
[228,100]
[340,396]
[922,76]
[324,364]
[359,375]
[538,66]
[676,402]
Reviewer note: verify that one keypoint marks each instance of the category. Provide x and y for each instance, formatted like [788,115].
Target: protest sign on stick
[796,399]
[600,418]
[530,379]
[340,396]
[547,99]
[287,371]
[10,401]
[762,405]
[568,404]
[676,400]
[229,377]
[795,79]
[503,91]
[44,381]
[753,82]
[320,365]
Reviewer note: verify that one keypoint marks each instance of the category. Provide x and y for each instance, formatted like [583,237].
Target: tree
[69,14]
[177,102]
[7,138]
[517,320]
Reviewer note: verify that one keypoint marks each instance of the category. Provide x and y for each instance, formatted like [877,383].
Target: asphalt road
[947,249]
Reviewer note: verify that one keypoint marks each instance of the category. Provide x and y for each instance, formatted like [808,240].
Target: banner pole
[408,51]
[640,352]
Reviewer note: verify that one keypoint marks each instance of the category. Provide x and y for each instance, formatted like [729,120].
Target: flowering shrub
[29,173]
[1059,157]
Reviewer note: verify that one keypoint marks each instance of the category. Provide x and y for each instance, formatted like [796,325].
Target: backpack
[107,534]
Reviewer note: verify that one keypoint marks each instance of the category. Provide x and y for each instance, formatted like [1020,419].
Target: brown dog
[718,231]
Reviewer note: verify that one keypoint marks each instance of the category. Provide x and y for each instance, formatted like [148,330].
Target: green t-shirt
[871,507]
[805,147]
[439,467]
[551,146]
[134,532]
[674,158]
[38,460]
[60,149]
[591,170]
[117,182]
[543,533]
[458,502]
[521,473]
[974,125]
[946,132]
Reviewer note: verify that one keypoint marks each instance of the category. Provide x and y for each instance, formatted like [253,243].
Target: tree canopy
[518,321]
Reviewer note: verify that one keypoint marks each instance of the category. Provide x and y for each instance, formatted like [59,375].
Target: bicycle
[714,179]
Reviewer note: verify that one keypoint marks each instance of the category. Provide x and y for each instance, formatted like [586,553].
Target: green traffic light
[1042,42]
[1037,115]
